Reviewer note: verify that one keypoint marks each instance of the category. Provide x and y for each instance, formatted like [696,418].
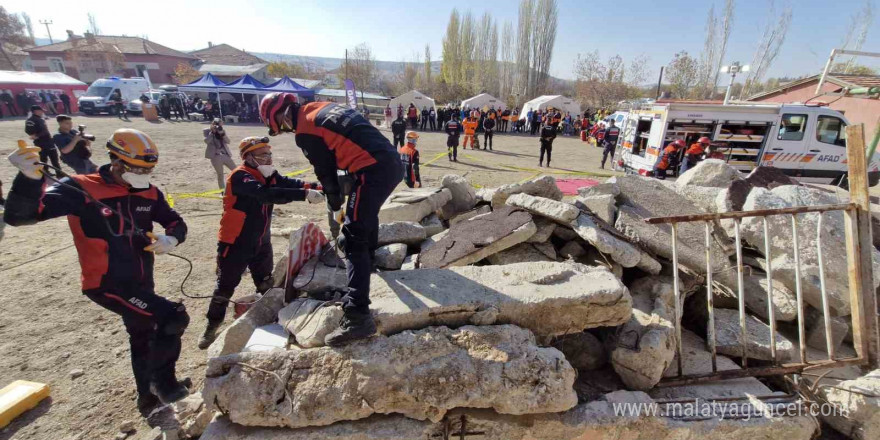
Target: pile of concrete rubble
[510,313]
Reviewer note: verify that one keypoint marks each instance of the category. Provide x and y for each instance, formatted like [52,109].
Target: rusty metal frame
[863,302]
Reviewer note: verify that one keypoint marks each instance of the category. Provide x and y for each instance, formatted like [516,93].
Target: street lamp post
[732,69]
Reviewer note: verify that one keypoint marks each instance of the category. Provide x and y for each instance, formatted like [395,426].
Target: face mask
[266,170]
[138,181]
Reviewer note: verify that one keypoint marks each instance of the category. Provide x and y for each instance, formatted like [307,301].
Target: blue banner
[350,94]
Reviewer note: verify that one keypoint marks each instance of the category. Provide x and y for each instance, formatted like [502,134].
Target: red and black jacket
[248,203]
[410,158]
[111,254]
[334,137]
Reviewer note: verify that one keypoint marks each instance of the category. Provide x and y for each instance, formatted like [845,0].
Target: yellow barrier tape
[435,158]
[214,194]
[531,177]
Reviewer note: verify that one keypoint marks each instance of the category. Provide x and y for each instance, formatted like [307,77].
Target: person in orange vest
[470,128]
[410,158]
[694,154]
[668,157]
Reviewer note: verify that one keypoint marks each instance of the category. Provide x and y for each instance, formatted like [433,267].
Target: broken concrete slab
[604,206]
[728,340]
[321,273]
[858,404]
[704,197]
[816,330]
[782,252]
[709,173]
[557,211]
[544,186]
[618,249]
[464,197]
[644,347]
[413,204]
[401,232]
[390,256]
[607,188]
[471,241]
[483,209]
[600,419]
[419,374]
[307,320]
[234,338]
[784,301]
[432,225]
[760,177]
[545,230]
[521,253]
[582,350]
[572,249]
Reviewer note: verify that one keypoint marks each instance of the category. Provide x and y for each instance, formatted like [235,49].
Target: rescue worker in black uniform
[409,155]
[489,132]
[398,130]
[548,134]
[35,127]
[244,240]
[453,131]
[609,141]
[333,138]
[115,247]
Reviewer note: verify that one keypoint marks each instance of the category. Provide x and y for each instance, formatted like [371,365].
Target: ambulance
[807,142]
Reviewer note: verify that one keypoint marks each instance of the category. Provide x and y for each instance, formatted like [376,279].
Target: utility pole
[659,81]
[47,23]
[346,63]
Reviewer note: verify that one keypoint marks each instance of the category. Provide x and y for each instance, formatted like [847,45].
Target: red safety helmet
[679,143]
[704,140]
[271,105]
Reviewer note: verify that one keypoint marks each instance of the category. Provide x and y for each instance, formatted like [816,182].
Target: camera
[84,135]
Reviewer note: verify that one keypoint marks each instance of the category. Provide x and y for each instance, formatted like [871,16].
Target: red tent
[34,82]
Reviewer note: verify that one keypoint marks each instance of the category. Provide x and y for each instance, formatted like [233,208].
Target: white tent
[556,101]
[484,100]
[415,97]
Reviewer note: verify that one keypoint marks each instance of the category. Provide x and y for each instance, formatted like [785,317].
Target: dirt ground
[48,328]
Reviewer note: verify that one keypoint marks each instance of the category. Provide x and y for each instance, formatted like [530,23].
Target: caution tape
[215,194]
[435,158]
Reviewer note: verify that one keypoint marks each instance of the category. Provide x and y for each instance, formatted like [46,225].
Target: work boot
[210,334]
[146,403]
[352,327]
[169,390]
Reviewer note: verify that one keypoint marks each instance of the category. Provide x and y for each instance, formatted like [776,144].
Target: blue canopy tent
[207,83]
[245,84]
[288,85]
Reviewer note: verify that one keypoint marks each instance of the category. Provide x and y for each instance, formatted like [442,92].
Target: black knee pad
[176,323]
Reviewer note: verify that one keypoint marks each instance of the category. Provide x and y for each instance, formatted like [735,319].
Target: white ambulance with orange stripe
[804,141]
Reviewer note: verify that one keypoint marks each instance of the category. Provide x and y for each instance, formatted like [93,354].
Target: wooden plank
[858,245]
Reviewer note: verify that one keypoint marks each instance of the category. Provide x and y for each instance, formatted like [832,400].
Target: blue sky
[397,30]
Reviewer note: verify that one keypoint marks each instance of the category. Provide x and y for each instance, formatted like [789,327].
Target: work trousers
[608,151]
[398,140]
[371,188]
[232,260]
[546,147]
[50,154]
[468,138]
[487,139]
[154,325]
[218,162]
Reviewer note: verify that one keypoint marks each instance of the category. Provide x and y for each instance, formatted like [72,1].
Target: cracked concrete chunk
[401,232]
[471,241]
[602,205]
[419,374]
[608,188]
[432,225]
[521,253]
[307,320]
[557,211]
[413,204]
[709,173]
[860,400]
[620,250]
[234,338]
[464,197]
[391,256]
[544,186]
[480,210]
[545,230]
[729,339]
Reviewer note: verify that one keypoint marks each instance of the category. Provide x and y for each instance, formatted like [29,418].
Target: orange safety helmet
[679,143]
[133,147]
[704,140]
[252,143]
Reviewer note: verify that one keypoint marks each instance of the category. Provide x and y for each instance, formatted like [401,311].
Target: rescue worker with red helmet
[694,154]
[111,214]
[668,158]
[410,158]
[244,240]
[333,138]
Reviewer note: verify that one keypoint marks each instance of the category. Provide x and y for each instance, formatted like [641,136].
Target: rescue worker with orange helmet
[244,240]
[470,129]
[409,155]
[333,138]
[111,214]
[668,158]
[694,154]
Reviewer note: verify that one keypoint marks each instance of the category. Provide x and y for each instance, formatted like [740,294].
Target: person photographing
[217,150]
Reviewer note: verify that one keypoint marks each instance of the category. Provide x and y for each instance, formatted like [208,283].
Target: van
[807,142]
[97,97]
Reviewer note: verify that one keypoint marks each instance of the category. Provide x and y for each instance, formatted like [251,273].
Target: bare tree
[427,66]
[709,55]
[93,25]
[768,47]
[12,31]
[604,84]
[361,67]
[29,25]
[524,45]
[467,39]
[857,32]
[726,27]
[507,61]
[544,23]
[681,73]
[451,67]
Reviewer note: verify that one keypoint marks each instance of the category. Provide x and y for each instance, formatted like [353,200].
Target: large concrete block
[235,337]
[557,211]
[544,186]
[859,400]
[401,232]
[419,374]
[413,204]
[709,173]
[464,197]
[727,329]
